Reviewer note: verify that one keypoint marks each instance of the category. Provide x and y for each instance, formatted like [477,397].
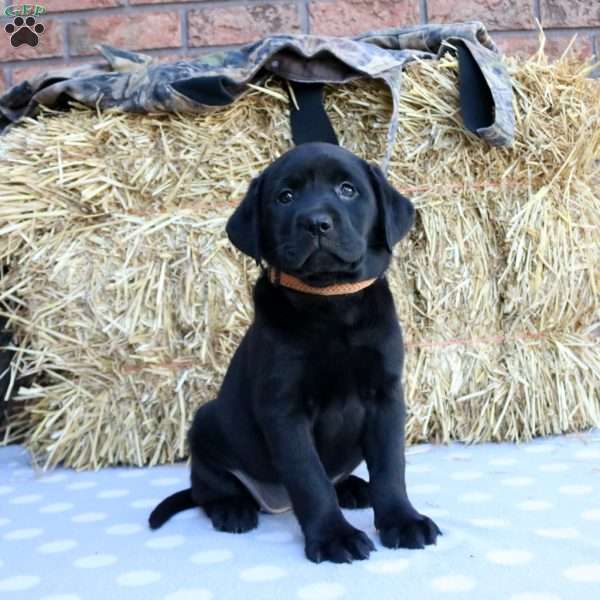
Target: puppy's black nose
[318,223]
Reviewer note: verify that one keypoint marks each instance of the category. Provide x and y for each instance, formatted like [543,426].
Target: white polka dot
[166,481]
[90,517]
[81,485]
[211,556]
[421,449]
[57,546]
[452,538]
[418,469]
[565,533]
[22,534]
[534,596]
[57,507]
[262,573]
[490,523]
[131,473]
[466,475]
[190,594]
[55,478]
[453,583]
[138,578]
[509,557]
[18,583]
[575,490]
[27,499]
[591,515]
[553,467]
[321,591]
[61,597]
[475,497]
[275,537]
[123,529]
[502,462]
[534,505]
[165,542]
[540,449]
[424,488]
[590,454]
[112,494]
[589,573]
[460,456]
[517,481]
[4,521]
[6,489]
[144,503]
[95,561]
[388,566]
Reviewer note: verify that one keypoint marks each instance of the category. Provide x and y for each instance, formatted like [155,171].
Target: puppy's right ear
[243,227]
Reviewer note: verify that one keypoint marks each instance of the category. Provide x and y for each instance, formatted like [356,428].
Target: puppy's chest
[337,425]
[343,363]
[339,380]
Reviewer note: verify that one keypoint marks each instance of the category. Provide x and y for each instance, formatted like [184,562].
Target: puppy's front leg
[399,524]
[327,534]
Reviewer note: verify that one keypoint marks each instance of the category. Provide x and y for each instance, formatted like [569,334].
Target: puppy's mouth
[323,261]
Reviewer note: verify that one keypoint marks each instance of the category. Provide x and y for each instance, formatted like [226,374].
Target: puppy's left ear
[243,227]
[396,212]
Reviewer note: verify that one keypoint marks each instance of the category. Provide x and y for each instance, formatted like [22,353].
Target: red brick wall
[171,29]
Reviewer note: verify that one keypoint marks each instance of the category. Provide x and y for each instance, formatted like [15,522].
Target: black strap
[476,101]
[309,121]
[212,90]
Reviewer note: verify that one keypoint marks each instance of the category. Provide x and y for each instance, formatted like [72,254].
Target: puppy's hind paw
[353,492]
[236,514]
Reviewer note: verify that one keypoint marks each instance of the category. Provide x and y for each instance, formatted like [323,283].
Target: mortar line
[304,16]
[424,12]
[184,29]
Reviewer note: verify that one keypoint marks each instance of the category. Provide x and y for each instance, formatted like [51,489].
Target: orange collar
[337,289]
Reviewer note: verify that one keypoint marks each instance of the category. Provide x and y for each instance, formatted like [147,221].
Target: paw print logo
[24,31]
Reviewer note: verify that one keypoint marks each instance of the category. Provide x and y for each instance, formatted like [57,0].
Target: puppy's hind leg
[225,500]
[353,492]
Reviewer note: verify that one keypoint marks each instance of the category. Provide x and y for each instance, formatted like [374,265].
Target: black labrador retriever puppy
[315,386]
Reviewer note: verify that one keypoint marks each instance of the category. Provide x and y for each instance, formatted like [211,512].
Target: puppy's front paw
[343,545]
[409,531]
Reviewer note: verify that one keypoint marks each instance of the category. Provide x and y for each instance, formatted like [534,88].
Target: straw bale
[128,301]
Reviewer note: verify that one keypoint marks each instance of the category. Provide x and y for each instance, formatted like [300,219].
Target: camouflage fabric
[131,82]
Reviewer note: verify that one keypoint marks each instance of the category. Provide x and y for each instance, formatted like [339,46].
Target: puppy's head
[322,214]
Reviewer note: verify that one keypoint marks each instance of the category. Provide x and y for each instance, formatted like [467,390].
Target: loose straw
[128,301]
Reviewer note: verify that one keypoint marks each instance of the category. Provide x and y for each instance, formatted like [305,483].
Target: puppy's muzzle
[317,224]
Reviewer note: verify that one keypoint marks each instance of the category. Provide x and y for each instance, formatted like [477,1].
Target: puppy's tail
[170,506]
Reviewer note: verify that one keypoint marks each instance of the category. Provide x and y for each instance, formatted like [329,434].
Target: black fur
[315,386]
[169,506]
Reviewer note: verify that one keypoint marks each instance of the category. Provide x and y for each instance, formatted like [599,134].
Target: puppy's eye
[285,197]
[346,190]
